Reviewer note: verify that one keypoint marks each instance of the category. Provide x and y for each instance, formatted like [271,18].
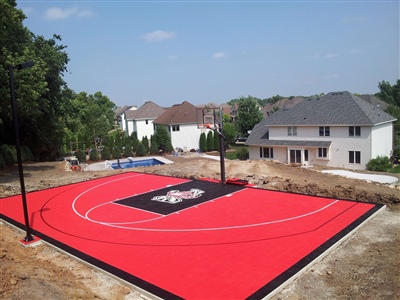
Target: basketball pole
[221,147]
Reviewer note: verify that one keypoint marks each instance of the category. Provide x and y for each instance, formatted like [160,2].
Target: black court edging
[136,281]
[305,261]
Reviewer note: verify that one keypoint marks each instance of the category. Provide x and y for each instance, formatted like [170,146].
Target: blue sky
[214,51]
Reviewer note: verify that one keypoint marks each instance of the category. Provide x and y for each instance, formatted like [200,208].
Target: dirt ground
[365,266]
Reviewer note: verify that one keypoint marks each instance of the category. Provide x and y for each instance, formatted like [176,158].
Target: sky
[215,51]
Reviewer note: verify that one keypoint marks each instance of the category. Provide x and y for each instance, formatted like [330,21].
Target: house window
[354,131]
[175,127]
[292,131]
[266,152]
[323,152]
[147,122]
[354,157]
[324,131]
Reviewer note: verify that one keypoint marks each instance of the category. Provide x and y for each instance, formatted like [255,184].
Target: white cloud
[84,13]
[57,13]
[355,51]
[219,55]
[331,76]
[354,19]
[158,36]
[331,55]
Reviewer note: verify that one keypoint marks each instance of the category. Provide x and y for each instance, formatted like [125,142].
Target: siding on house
[180,121]
[337,112]
[141,120]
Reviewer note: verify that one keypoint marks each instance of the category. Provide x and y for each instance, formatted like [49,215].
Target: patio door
[295,156]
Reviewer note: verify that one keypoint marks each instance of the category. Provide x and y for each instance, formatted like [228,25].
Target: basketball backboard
[208,117]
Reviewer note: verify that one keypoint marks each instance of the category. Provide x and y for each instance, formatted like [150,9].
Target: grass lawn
[232,151]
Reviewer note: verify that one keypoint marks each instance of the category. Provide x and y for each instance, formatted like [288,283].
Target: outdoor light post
[29,236]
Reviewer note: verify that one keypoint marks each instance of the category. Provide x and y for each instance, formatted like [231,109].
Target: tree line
[54,120]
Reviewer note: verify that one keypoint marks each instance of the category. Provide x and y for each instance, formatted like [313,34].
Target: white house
[119,115]
[181,124]
[141,120]
[336,130]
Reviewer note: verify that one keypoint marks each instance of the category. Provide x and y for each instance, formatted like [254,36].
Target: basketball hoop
[210,117]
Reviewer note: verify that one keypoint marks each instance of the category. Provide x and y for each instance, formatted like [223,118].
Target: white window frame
[326,131]
[353,157]
[325,153]
[269,150]
[175,128]
[355,129]
[292,131]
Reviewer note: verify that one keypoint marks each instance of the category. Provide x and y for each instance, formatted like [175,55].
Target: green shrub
[9,154]
[2,162]
[94,155]
[243,154]
[116,153]
[145,142]
[80,155]
[203,142]
[105,154]
[216,141]
[380,164]
[141,150]
[210,141]
[153,148]
[128,151]
[26,154]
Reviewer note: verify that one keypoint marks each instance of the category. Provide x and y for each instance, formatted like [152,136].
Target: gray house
[337,130]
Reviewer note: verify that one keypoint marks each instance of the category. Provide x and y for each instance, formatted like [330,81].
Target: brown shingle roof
[149,110]
[184,113]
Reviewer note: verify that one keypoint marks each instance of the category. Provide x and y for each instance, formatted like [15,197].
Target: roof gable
[149,110]
[336,108]
[184,113]
[120,110]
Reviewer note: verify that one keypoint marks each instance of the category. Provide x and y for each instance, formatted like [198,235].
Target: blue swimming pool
[137,163]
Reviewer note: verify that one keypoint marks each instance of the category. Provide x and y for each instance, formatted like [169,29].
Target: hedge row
[8,155]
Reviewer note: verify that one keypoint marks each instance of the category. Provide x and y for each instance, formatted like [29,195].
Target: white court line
[107,223]
[182,229]
[220,228]
[96,186]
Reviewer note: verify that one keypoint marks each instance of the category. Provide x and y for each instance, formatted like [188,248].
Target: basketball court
[177,238]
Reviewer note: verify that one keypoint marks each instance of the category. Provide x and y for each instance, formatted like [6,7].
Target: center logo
[176,196]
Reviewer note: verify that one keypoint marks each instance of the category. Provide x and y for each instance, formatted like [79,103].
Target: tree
[105,153]
[94,116]
[141,151]
[145,142]
[216,141]
[128,152]
[229,133]
[210,141]
[389,93]
[153,145]
[162,138]
[203,142]
[249,115]
[39,90]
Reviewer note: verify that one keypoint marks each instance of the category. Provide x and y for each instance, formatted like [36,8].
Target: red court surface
[192,239]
